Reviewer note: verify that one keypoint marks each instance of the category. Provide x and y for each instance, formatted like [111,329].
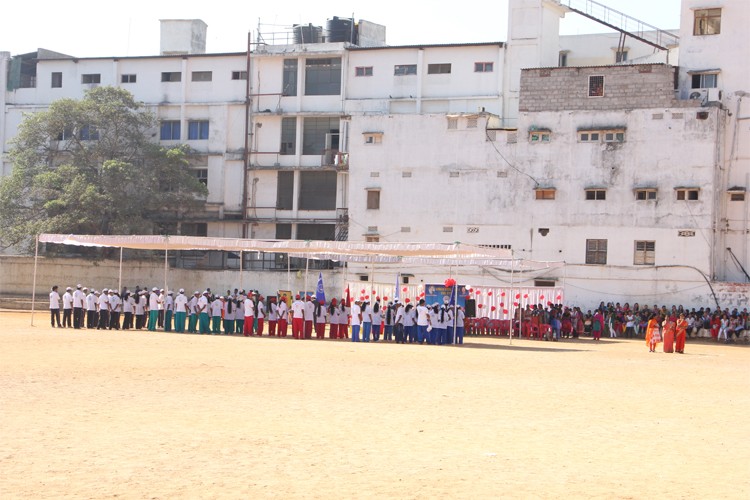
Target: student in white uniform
[54,307]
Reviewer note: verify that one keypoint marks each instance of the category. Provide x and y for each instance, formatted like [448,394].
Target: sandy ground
[87,414]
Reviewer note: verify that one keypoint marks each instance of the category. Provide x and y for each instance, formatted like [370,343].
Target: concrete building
[600,150]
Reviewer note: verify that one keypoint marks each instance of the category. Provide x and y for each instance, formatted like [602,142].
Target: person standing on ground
[168,311]
[54,307]
[202,310]
[260,314]
[366,321]
[298,318]
[249,320]
[333,321]
[273,316]
[283,320]
[343,328]
[309,317]
[153,309]
[668,333]
[91,319]
[228,313]
[653,336]
[67,300]
[127,311]
[78,301]
[115,307]
[460,316]
[239,312]
[103,303]
[319,314]
[216,307]
[377,319]
[180,311]
[681,334]
[160,308]
[398,322]
[356,320]
[597,325]
[423,321]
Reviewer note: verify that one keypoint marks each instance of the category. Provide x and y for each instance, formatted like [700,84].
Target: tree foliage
[89,167]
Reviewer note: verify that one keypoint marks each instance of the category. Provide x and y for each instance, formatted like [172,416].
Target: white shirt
[91,302]
[261,310]
[377,317]
[54,300]
[399,316]
[192,303]
[140,302]
[160,301]
[202,305]
[460,317]
[283,311]
[367,314]
[356,315]
[343,316]
[239,311]
[273,312]
[103,302]
[309,310]
[335,316]
[169,303]
[216,307]
[422,316]
[67,300]
[127,305]
[321,317]
[298,309]
[249,308]
[409,317]
[153,301]
[78,298]
[180,303]
[114,303]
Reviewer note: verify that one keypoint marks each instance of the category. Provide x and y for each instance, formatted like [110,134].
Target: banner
[441,294]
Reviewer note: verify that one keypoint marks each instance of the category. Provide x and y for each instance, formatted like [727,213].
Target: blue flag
[320,294]
[453,295]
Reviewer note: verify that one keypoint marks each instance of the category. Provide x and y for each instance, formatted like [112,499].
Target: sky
[101,29]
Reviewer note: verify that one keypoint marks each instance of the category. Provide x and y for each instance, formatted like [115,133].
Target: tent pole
[455,310]
[289,274]
[512,298]
[33,286]
[307,270]
[119,275]
[241,279]
[166,271]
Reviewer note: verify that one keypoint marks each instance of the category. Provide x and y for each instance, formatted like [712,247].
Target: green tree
[89,167]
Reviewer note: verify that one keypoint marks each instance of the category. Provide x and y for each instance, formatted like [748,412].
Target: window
[202,175]
[438,69]
[687,194]
[171,76]
[645,253]
[562,59]
[194,229]
[170,130]
[289,85]
[404,69]
[91,78]
[288,136]
[285,190]
[545,283]
[239,75]
[483,67]
[66,134]
[323,76]
[127,78]
[621,56]
[736,196]
[596,194]
[452,123]
[705,80]
[614,136]
[707,22]
[89,133]
[472,122]
[539,136]
[56,80]
[198,130]
[324,232]
[201,76]
[283,231]
[545,193]
[372,239]
[317,190]
[373,199]
[645,194]
[596,86]
[596,251]
[373,138]
[319,135]
[363,71]
[588,136]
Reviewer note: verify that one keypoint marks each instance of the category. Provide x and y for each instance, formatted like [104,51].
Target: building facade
[632,169]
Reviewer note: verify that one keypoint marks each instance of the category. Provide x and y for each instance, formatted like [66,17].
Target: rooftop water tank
[307,33]
[341,30]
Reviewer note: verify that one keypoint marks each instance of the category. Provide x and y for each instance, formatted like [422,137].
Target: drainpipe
[246,153]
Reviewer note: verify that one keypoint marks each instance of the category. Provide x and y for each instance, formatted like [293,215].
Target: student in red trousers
[320,319]
[333,319]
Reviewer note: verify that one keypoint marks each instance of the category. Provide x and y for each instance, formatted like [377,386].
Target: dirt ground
[88,414]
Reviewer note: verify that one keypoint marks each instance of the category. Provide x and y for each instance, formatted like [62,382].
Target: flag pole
[33,286]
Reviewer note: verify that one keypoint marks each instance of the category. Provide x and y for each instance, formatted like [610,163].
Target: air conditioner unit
[713,95]
[699,95]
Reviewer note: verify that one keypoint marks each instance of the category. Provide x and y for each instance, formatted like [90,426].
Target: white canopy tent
[445,254]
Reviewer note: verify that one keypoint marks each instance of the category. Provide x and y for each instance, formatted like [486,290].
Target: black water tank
[341,30]
[307,33]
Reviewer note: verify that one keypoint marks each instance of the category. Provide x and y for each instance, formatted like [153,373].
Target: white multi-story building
[597,150]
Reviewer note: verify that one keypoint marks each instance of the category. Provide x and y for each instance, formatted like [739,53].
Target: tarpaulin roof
[351,251]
